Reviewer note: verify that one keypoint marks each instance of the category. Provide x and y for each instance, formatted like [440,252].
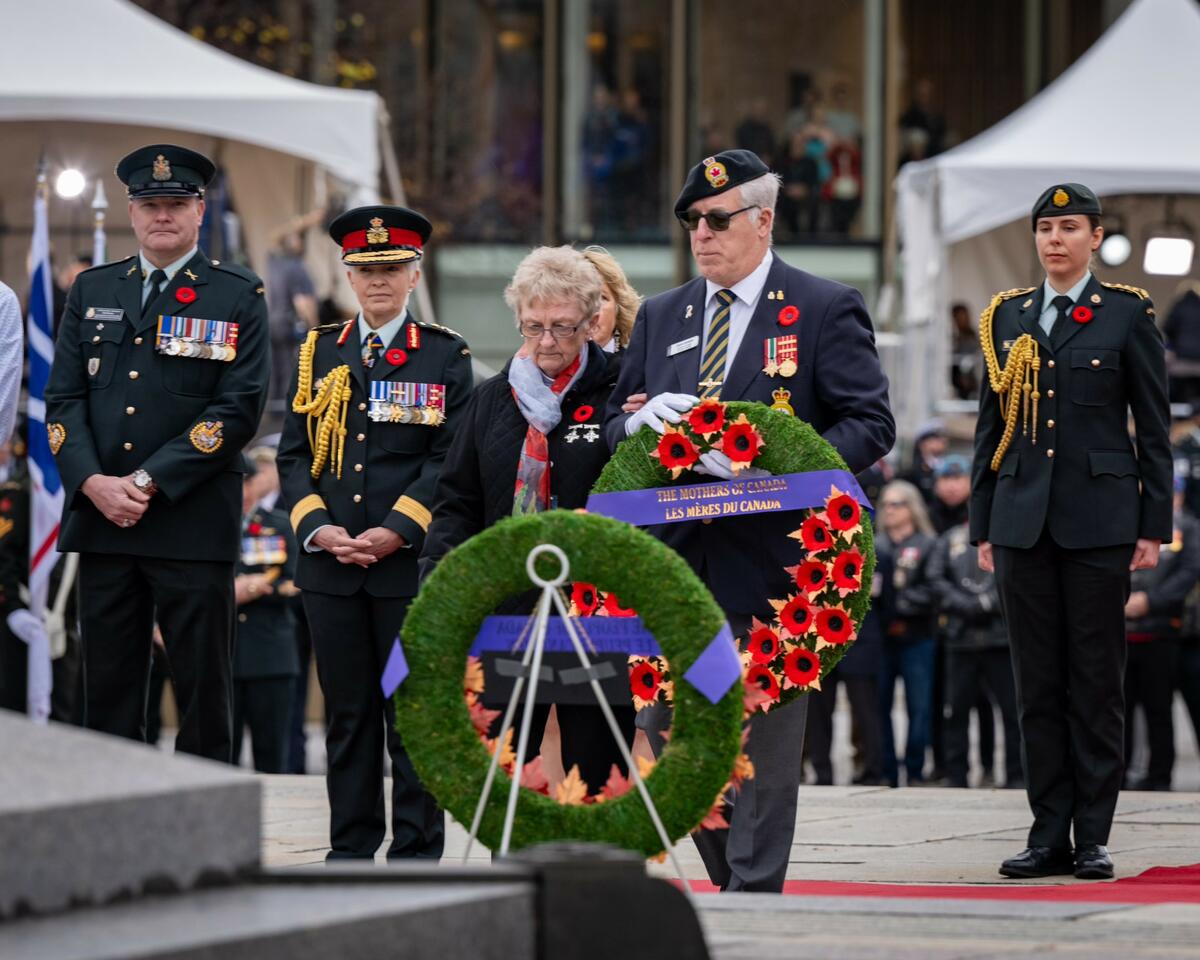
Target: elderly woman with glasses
[531,441]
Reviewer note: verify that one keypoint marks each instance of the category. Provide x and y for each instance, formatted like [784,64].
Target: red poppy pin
[254,529]
[185,295]
[396,357]
[1081,314]
[788,315]
[583,414]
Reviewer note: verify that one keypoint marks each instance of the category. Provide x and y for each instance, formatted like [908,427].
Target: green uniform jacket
[390,470]
[114,404]
[1081,478]
[265,645]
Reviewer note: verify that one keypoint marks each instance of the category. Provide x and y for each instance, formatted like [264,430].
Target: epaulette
[1009,294]
[243,273]
[330,327]
[113,263]
[440,329]
[1136,291]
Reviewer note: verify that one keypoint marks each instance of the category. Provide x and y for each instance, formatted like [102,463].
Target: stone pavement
[926,836]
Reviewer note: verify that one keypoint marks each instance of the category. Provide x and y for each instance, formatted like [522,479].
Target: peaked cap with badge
[380,234]
[716,174]
[165,170]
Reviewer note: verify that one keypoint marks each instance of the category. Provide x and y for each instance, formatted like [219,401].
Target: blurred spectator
[1153,624]
[964,364]
[840,118]
[921,115]
[977,656]
[619,302]
[1186,453]
[842,192]
[908,647]
[291,311]
[633,176]
[951,490]
[799,199]
[804,99]
[599,156]
[1182,334]
[754,133]
[914,145]
[62,281]
[929,447]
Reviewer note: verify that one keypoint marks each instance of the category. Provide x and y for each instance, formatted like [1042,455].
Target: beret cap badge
[378,232]
[162,168]
[714,173]
[1061,197]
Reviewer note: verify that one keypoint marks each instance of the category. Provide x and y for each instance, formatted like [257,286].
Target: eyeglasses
[718,220]
[559,331]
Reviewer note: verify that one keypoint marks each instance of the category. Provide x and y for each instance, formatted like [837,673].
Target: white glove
[665,406]
[717,464]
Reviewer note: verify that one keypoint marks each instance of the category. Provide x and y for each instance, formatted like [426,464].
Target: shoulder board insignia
[259,291]
[345,328]
[237,270]
[440,329]
[1136,291]
[1014,292]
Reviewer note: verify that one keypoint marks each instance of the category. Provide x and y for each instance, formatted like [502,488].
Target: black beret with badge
[716,174]
[165,170]
[1064,200]
[380,234]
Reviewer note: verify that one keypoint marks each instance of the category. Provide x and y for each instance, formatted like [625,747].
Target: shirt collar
[1049,293]
[387,332]
[170,269]
[749,288]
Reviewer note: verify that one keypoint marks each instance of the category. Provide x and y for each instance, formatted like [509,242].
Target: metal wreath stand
[531,664]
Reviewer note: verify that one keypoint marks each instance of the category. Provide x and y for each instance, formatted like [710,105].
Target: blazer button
[133,374]
[241,618]
[362,406]
[130,411]
[1050,364]
[361,437]
[358,468]
[358,498]
[137,341]
[1050,394]
[127,445]
[96,339]
[1050,424]
[1050,454]
[1095,361]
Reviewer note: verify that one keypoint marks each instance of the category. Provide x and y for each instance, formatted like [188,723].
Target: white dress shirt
[170,270]
[745,293]
[1049,310]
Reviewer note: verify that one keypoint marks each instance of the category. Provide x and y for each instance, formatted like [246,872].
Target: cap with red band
[380,234]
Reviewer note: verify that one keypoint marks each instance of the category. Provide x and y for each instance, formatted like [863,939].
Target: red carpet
[1157,885]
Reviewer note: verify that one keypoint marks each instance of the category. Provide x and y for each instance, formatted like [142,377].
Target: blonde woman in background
[619,302]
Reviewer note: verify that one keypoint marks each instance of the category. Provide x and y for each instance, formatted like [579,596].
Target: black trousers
[264,704]
[120,598]
[969,672]
[1150,684]
[352,637]
[863,693]
[1065,611]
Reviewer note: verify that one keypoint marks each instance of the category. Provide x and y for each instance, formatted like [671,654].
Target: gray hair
[554,275]
[761,192]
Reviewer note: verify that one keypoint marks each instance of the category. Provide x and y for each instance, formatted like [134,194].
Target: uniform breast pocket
[1095,376]
[99,349]
[191,376]
[402,437]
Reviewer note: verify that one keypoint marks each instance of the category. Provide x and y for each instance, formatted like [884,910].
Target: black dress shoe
[1039,862]
[1092,862]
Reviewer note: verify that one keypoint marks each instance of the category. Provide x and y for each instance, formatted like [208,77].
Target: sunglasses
[718,220]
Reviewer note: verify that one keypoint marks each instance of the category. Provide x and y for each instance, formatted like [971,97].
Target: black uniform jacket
[480,474]
[1081,479]
[1167,586]
[265,645]
[390,469]
[117,405]
[839,387]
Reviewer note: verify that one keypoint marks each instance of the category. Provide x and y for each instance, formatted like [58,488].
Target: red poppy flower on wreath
[707,418]
[644,682]
[613,608]
[766,681]
[788,315]
[810,576]
[801,667]
[254,529]
[185,295]
[847,572]
[815,535]
[843,514]
[675,451]
[583,414]
[796,616]
[834,626]
[763,644]
[1081,314]
[396,357]
[741,443]
[583,595]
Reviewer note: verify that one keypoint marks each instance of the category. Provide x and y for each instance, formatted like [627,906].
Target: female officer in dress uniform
[1063,509]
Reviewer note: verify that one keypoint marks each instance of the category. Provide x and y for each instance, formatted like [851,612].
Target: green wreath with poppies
[814,624]
[441,729]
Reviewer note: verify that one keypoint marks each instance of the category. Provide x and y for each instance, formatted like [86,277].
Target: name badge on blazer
[104,314]
[679,346]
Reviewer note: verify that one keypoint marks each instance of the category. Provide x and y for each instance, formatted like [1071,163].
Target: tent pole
[391,170]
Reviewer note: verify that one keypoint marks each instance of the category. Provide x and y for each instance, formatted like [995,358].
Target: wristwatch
[143,481]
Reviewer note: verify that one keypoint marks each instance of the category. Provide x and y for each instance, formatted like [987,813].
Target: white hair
[550,275]
[761,192]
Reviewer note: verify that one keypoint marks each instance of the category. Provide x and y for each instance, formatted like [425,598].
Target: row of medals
[204,351]
[785,369]
[394,413]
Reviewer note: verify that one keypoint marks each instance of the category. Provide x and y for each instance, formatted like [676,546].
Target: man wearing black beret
[159,378]
[752,328]
[1063,510]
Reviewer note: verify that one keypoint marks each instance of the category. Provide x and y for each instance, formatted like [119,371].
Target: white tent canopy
[87,80]
[1124,119]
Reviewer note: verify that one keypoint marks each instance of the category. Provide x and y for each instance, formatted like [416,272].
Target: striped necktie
[716,346]
[370,351]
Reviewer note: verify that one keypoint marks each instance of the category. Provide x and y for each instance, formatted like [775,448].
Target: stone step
[87,818]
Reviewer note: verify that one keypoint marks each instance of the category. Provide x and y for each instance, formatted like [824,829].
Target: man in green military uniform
[264,651]
[374,404]
[159,379]
[1063,510]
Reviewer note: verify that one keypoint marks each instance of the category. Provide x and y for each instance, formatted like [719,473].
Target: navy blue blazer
[839,387]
